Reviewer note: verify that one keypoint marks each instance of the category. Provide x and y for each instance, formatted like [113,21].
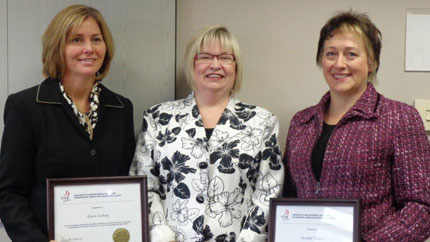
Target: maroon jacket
[379,153]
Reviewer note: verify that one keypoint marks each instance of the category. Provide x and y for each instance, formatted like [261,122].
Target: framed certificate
[98,209]
[314,220]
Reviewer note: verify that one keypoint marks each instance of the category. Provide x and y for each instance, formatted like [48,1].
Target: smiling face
[345,64]
[85,50]
[214,76]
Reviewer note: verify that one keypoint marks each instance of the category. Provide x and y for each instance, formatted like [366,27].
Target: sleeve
[411,179]
[145,164]
[289,185]
[130,142]
[16,166]
[269,185]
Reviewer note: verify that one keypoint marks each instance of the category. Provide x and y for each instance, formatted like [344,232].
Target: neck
[211,99]
[79,89]
[339,105]
[211,106]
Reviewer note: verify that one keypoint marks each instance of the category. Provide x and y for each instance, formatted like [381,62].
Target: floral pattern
[209,190]
[92,115]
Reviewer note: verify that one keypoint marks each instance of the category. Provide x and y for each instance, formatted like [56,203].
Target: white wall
[279,39]
[143,68]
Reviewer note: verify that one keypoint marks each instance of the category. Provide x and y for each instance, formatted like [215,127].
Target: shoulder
[304,115]
[260,112]
[395,109]
[399,116]
[115,98]
[170,107]
[26,97]
[28,94]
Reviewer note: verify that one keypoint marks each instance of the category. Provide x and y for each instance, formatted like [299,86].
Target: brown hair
[359,24]
[54,39]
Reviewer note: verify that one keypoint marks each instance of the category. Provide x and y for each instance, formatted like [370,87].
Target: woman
[212,161]
[68,126]
[357,144]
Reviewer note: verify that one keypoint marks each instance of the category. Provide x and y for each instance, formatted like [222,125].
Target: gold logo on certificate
[121,235]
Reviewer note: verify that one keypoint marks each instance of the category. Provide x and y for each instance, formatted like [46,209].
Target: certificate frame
[51,184]
[352,203]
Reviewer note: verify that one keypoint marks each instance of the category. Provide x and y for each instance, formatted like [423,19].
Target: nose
[340,61]
[215,64]
[88,48]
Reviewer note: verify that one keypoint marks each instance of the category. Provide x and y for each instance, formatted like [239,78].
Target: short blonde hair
[205,36]
[54,39]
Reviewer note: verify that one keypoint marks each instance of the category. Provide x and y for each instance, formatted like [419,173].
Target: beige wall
[143,68]
[279,40]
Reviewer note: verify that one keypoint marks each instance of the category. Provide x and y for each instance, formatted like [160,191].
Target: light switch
[423,107]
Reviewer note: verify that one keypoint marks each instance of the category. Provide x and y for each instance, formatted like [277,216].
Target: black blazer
[42,138]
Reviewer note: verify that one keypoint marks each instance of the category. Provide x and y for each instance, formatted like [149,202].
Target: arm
[411,179]
[289,185]
[16,166]
[130,143]
[269,185]
[144,164]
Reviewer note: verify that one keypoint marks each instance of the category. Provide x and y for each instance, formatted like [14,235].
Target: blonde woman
[68,126]
[213,162]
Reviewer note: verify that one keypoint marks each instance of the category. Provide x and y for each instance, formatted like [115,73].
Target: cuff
[251,236]
[162,233]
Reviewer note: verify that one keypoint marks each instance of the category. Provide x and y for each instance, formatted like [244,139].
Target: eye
[226,57]
[98,39]
[204,57]
[330,53]
[75,40]
[352,54]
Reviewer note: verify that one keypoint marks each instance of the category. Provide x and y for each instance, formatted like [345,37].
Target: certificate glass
[98,209]
[319,220]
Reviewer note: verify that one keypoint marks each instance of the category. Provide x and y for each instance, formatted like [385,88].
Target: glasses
[224,59]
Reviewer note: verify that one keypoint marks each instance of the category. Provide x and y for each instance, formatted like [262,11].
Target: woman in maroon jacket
[355,143]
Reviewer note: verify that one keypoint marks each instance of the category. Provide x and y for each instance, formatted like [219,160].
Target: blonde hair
[54,39]
[228,42]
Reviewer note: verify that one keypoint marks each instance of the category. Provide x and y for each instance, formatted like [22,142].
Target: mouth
[214,76]
[341,76]
[87,60]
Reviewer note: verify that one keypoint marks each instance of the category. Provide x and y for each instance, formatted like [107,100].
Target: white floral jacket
[209,190]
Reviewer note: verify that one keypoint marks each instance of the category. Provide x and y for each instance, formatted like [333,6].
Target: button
[93,152]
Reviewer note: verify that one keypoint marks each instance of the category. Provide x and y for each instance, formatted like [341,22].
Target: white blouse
[209,190]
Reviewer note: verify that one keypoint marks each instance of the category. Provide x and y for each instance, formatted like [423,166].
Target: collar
[365,107]
[48,92]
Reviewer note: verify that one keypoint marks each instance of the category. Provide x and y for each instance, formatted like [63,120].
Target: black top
[209,133]
[318,152]
[42,139]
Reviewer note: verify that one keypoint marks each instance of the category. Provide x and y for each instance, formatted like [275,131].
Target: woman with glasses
[212,161]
